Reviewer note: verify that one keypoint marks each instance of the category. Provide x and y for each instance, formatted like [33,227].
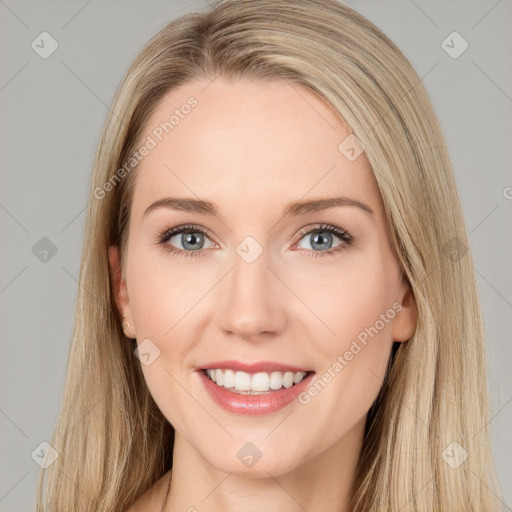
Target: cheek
[163,297]
[355,301]
[360,312]
[162,306]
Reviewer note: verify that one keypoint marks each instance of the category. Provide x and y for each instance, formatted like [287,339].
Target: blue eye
[189,237]
[318,240]
[192,239]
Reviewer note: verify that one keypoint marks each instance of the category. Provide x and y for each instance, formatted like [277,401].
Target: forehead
[245,144]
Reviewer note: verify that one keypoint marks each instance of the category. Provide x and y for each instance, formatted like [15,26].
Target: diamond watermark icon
[147,352]
[249,455]
[44,250]
[454,455]
[249,249]
[44,45]
[455,249]
[351,147]
[44,455]
[454,45]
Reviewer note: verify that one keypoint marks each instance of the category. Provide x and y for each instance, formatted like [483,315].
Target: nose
[253,302]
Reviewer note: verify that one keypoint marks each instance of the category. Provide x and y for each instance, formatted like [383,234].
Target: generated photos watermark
[342,360]
[157,135]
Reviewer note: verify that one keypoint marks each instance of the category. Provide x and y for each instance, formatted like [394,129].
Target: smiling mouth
[260,383]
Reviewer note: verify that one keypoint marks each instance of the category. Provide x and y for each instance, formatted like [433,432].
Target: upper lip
[255,367]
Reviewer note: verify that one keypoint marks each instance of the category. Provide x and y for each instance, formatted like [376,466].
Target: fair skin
[252,148]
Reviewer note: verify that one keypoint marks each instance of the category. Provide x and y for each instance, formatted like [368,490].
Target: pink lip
[253,405]
[261,366]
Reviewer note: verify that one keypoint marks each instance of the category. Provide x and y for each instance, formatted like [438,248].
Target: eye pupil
[190,239]
[319,244]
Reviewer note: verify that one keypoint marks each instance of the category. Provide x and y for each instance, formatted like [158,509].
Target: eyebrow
[293,209]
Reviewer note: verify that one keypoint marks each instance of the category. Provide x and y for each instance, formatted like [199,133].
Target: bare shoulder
[151,500]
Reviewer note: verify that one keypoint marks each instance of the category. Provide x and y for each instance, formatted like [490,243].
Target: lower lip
[253,405]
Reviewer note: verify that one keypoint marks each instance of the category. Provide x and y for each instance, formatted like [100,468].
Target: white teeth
[260,382]
[276,380]
[243,381]
[229,379]
[297,377]
[288,380]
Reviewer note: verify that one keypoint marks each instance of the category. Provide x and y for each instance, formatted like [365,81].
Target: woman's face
[264,285]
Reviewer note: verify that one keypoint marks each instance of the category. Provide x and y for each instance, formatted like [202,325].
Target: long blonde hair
[114,443]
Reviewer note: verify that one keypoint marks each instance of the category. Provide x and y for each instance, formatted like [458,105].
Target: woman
[278,309]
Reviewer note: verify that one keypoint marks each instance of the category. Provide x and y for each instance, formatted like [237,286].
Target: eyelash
[192,228]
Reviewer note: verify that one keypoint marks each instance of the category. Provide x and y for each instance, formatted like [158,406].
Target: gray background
[52,110]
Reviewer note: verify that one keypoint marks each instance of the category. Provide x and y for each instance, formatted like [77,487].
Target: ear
[120,291]
[404,323]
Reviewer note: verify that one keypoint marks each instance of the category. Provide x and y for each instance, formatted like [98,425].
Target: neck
[321,483]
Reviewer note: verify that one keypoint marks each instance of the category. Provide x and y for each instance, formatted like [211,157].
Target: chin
[252,461]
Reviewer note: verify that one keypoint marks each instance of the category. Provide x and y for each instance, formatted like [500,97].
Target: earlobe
[120,291]
[405,320]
